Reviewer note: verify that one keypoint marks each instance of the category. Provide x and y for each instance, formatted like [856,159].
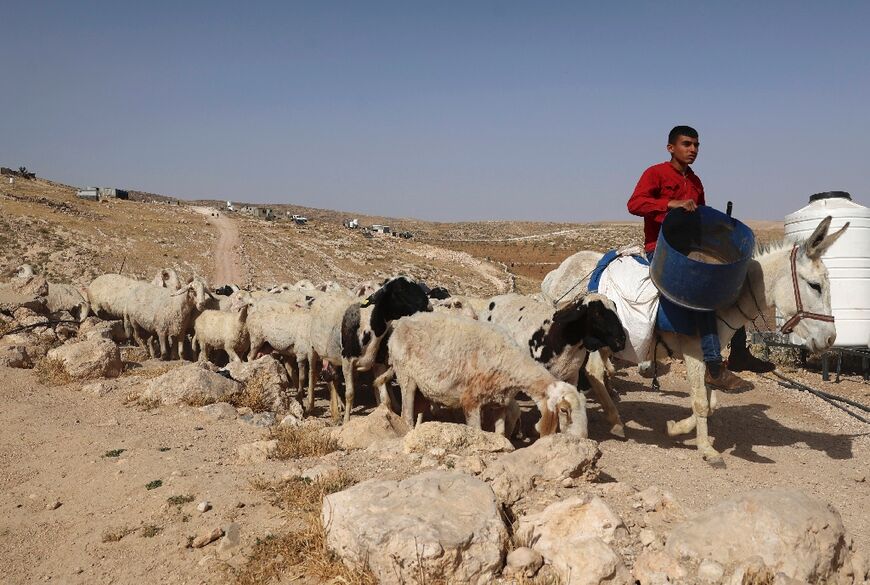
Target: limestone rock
[587,561]
[456,439]
[524,561]
[262,420]
[550,458]
[14,356]
[658,568]
[266,375]
[449,522]
[92,358]
[94,328]
[190,383]
[362,431]
[98,389]
[256,452]
[574,518]
[219,411]
[789,531]
[30,293]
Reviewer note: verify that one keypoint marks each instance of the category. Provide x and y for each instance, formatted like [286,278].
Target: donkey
[790,277]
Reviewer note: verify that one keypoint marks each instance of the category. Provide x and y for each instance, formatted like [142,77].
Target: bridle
[789,325]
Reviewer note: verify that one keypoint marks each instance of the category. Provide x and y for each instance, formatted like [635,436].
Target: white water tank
[848,260]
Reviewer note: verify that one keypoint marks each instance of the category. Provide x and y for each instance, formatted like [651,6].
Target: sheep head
[398,297]
[563,399]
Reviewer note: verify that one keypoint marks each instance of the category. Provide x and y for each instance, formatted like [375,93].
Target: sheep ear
[549,421]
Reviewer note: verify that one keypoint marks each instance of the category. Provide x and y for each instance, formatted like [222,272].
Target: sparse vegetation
[297,442]
[179,500]
[51,372]
[114,453]
[254,395]
[303,494]
[116,534]
[150,531]
[154,484]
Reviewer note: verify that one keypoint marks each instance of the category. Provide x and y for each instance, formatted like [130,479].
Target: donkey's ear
[818,243]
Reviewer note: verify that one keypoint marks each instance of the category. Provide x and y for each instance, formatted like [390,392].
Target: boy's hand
[686,204]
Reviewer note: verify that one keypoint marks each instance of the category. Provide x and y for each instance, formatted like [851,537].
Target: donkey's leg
[695,369]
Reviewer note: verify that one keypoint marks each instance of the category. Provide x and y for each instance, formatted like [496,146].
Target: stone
[646,537]
[261,420]
[92,358]
[15,356]
[456,439]
[319,471]
[203,506]
[53,505]
[551,458]
[266,375]
[291,420]
[785,529]
[232,537]
[190,383]
[652,499]
[94,328]
[448,522]
[30,293]
[219,411]
[657,568]
[577,517]
[524,561]
[710,571]
[473,464]
[207,538]
[588,561]
[257,452]
[362,431]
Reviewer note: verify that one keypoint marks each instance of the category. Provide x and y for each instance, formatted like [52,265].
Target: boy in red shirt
[667,186]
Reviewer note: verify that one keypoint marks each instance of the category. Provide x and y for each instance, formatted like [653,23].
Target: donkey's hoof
[618,431]
[714,459]
[672,428]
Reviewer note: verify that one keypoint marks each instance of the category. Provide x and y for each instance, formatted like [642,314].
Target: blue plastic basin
[726,246]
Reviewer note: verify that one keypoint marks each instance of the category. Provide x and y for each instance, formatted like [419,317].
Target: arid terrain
[99,486]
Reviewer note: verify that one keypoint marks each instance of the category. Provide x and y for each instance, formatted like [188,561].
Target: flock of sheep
[473,354]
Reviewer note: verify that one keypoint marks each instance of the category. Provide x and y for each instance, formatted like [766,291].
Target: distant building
[351,223]
[98,193]
[230,206]
[380,229]
[296,218]
[266,213]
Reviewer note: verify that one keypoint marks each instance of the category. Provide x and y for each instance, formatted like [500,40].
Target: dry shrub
[147,373]
[134,398]
[197,399]
[254,395]
[303,553]
[298,442]
[51,372]
[116,534]
[150,531]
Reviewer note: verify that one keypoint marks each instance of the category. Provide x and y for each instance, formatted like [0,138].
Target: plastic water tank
[848,260]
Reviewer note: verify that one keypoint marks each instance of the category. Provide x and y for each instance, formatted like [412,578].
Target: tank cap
[830,195]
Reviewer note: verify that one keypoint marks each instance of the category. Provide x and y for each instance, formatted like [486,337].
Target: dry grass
[51,372]
[197,399]
[134,398]
[303,553]
[254,395]
[150,531]
[147,373]
[298,442]
[116,534]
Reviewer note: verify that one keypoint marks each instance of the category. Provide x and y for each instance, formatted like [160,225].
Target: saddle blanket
[623,276]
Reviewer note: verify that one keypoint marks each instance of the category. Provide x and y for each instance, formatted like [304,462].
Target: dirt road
[227,266]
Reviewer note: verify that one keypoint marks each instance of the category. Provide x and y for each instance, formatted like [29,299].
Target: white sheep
[67,297]
[455,305]
[562,340]
[167,278]
[168,315]
[461,363]
[222,330]
[348,333]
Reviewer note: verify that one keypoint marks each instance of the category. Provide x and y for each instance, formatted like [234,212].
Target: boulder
[30,292]
[93,328]
[658,568]
[550,458]
[220,411]
[523,561]
[35,348]
[362,431]
[784,529]
[455,439]
[190,383]
[449,522]
[92,358]
[14,356]
[574,518]
[266,375]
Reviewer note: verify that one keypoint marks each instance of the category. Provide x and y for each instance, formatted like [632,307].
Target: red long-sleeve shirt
[657,185]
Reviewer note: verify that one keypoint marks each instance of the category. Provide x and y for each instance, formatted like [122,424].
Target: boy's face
[684,149]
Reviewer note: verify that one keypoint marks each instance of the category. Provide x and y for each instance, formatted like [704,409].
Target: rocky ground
[120,469]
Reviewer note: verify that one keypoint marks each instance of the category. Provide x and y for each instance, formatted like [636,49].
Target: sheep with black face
[348,333]
[562,339]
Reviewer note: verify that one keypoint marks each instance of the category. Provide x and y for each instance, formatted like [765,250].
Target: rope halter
[789,325]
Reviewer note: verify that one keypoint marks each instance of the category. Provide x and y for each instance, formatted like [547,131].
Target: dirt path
[227,267]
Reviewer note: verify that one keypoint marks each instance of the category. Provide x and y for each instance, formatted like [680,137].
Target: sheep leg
[596,372]
[500,416]
[472,417]
[348,366]
[409,391]
[334,402]
[313,374]
[234,357]
[256,344]
[302,365]
[383,375]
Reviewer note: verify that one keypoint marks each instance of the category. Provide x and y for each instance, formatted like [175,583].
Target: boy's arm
[646,200]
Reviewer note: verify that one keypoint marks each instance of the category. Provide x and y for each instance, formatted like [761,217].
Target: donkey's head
[802,292]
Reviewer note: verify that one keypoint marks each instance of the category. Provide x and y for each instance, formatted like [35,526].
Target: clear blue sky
[439,110]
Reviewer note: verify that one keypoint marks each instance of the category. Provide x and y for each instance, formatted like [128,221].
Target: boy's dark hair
[681,131]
